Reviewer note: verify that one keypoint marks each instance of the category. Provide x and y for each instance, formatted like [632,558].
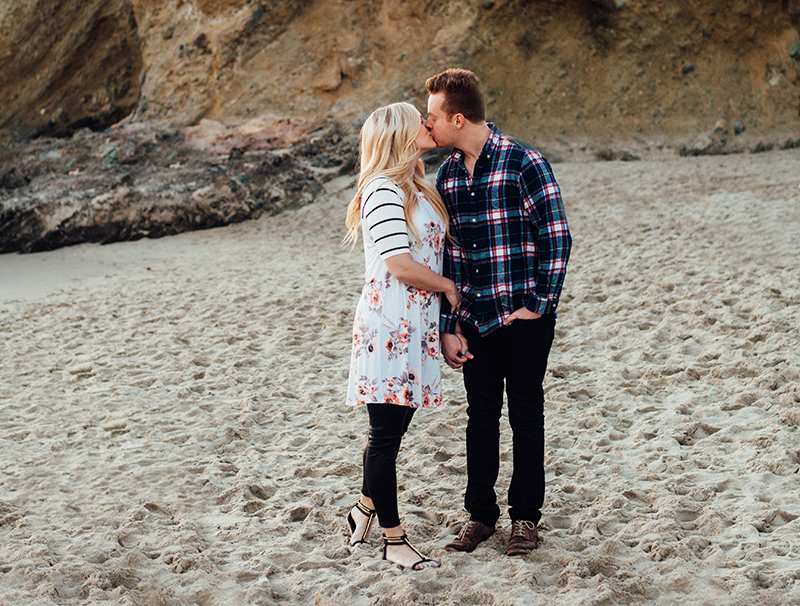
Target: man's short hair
[462,93]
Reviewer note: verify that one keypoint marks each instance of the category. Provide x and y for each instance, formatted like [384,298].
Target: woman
[394,368]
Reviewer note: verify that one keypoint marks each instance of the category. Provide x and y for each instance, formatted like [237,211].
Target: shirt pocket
[495,196]
[504,201]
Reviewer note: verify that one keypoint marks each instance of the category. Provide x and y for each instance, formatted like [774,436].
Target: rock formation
[139,181]
[67,64]
[195,86]
[579,70]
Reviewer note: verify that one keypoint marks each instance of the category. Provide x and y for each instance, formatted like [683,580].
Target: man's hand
[523,313]
[455,350]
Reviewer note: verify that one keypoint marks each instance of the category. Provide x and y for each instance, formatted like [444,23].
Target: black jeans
[516,354]
[387,425]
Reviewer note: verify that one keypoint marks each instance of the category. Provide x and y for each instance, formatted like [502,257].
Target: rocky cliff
[554,70]
[129,118]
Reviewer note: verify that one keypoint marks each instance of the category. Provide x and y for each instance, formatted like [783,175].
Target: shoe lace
[521,525]
[467,529]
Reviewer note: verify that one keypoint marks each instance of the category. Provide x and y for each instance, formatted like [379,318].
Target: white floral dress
[395,355]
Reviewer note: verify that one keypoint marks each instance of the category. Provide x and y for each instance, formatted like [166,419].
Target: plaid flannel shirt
[512,241]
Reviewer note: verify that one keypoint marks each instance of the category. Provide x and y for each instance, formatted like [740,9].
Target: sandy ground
[173,428]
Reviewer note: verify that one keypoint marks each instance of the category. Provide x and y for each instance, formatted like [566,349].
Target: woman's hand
[454,297]
[455,350]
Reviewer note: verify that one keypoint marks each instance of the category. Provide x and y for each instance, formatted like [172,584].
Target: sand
[173,428]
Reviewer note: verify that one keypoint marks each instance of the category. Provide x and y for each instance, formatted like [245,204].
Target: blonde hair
[388,146]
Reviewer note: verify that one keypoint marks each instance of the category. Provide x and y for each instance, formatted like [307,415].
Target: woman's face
[424,139]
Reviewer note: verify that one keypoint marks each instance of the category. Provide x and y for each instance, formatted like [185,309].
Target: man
[509,257]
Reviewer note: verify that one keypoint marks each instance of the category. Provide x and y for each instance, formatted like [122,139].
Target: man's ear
[459,120]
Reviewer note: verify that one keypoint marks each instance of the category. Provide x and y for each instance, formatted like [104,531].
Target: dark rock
[609,155]
[275,165]
[17,227]
[235,156]
[738,128]
[687,68]
[795,52]
[257,14]
[125,181]
[201,42]
[95,122]
[11,180]
[158,186]
[709,148]
[762,147]
[109,153]
[170,136]
[131,152]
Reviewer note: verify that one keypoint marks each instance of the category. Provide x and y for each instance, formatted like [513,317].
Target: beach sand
[173,428]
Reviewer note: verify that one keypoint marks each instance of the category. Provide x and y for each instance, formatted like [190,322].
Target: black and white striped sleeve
[382,211]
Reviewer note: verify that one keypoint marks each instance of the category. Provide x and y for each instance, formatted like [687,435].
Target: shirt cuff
[541,305]
[447,323]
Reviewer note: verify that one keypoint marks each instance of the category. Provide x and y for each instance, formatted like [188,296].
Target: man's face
[442,130]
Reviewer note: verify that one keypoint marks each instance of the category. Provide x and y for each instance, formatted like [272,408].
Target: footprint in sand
[697,432]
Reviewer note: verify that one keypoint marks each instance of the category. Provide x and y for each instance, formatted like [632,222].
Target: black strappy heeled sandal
[363,542]
[403,540]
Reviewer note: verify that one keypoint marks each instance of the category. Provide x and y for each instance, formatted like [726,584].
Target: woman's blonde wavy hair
[388,146]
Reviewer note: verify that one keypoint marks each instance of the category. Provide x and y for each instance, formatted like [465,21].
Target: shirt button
[474,220]
[478,294]
[472,194]
[476,271]
[474,246]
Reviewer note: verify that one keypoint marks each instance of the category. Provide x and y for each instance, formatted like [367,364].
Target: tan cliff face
[65,62]
[571,70]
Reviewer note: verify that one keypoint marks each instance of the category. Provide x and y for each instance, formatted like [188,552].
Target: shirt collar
[492,143]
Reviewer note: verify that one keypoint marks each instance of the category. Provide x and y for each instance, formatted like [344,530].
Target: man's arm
[541,197]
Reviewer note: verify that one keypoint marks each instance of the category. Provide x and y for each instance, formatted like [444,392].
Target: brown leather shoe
[474,532]
[524,538]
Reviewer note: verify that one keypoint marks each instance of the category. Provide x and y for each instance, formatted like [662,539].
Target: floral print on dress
[395,348]
[434,234]
[365,387]
[398,390]
[431,396]
[397,345]
[363,339]
[430,345]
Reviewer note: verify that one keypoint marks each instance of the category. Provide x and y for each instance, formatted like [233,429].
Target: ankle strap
[364,509]
[402,540]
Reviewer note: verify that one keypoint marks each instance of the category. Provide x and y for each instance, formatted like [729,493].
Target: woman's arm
[408,271]
[382,210]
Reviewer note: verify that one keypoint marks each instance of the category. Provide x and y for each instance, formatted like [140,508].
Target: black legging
[387,425]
